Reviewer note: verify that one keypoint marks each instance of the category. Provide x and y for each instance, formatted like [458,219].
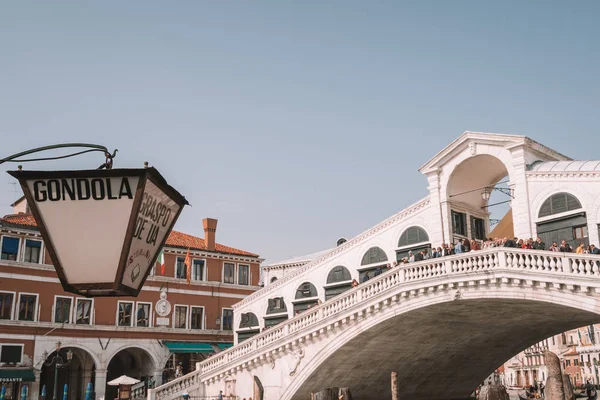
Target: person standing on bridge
[594,249]
[565,247]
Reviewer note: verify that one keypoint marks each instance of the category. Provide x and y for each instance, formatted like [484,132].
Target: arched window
[338,281]
[374,255]
[275,306]
[305,297]
[305,290]
[413,235]
[340,241]
[273,279]
[248,320]
[559,203]
[338,274]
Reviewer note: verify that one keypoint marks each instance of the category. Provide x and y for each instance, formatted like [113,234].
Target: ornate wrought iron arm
[90,148]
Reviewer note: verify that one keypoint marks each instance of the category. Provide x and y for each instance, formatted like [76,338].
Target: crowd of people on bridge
[465,246]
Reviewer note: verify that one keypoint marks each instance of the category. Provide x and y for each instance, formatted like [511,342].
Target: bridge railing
[475,262]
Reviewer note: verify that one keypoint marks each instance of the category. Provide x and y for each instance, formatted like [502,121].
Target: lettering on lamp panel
[86,219]
[152,224]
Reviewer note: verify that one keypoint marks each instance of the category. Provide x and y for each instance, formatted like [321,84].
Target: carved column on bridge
[437,213]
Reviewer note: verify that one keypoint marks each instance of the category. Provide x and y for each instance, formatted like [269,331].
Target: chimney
[210,228]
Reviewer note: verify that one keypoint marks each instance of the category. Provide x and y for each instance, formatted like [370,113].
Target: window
[62,309]
[228,273]
[198,273]
[124,313]
[305,290]
[11,353]
[459,223]
[142,314]
[276,305]
[568,362]
[27,307]
[477,228]
[83,312]
[248,320]
[559,203]
[33,251]
[180,268]
[227,319]
[374,255]
[6,305]
[243,274]
[338,274]
[10,248]
[180,317]
[576,362]
[413,235]
[580,232]
[197,318]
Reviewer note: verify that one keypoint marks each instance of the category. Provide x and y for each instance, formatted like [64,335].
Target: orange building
[162,332]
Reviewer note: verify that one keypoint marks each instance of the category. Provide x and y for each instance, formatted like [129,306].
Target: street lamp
[115,220]
[58,363]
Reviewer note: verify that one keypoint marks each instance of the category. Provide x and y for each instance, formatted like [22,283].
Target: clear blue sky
[293,123]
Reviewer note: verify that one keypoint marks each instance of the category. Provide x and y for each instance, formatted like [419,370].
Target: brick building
[108,337]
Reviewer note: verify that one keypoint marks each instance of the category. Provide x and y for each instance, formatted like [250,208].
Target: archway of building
[470,209]
[133,362]
[76,374]
[441,351]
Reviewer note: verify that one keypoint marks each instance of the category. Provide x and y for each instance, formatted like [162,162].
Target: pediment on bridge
[469,141]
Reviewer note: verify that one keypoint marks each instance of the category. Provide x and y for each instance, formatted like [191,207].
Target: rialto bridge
[443,324]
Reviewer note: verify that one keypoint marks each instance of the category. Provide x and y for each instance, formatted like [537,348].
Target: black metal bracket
[90,148]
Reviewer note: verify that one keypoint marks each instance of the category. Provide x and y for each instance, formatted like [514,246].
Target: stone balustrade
[519,264]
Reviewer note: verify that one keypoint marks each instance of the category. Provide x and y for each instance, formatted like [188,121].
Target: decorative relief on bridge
[473,148]
[298,356]
[458,295]
[271,361]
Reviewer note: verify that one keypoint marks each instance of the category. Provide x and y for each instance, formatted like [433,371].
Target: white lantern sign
[103,228]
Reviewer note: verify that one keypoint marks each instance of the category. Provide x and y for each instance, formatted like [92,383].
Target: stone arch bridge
[443,324]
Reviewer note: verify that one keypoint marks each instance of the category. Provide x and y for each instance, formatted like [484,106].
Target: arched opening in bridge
[561,217]
[133,362]
[276,312]
[372,263]
[441,350]
[412,241]
[259,391]
[248,326]
[479,193]
[338,281]
[306,297]
[76,374]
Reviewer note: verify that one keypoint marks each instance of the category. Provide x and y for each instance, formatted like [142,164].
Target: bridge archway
[442,348]
[468,208]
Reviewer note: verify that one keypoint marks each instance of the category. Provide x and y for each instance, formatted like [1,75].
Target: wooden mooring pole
[394,385]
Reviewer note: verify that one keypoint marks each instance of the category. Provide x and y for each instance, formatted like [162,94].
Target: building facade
[579,352]
[163,332]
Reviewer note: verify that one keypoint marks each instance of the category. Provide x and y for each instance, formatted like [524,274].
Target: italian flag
[161,261]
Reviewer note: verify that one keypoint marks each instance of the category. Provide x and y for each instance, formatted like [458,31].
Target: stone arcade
[444,324]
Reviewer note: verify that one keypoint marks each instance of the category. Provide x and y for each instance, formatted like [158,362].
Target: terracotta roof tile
[175,239]
[20,220]
[183,240]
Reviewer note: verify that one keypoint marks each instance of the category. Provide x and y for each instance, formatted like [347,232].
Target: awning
[189,347]
[16,375]
[224,346]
